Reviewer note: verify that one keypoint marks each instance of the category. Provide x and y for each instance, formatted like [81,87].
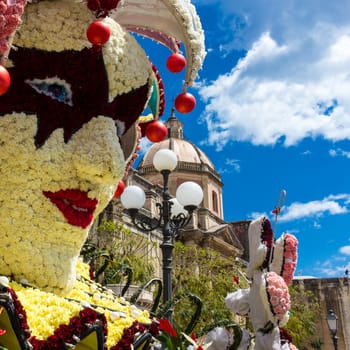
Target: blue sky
[273,114]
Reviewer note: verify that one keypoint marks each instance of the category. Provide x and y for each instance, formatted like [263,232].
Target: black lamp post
[174,213]
[332,321]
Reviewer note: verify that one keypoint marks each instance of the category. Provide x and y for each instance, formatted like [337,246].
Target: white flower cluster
[61,25]
[194,33]
[173,20]
[36,242]
[127,64]
[54,26]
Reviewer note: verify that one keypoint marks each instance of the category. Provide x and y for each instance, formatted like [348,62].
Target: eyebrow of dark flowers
[86,73]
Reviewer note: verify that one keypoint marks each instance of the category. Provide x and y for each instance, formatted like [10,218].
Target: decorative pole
[174,213]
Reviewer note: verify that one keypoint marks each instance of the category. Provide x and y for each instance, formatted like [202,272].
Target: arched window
[214,198]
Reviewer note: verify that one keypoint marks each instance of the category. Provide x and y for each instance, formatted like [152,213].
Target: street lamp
[332,321]
[174,213]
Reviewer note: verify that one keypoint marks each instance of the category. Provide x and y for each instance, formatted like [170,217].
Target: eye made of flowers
[55,88]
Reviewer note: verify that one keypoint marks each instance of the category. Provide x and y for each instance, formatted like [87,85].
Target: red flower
[2,331]
[38,344]
[166,326]
[154,329]
[88,315]
[235,279]
[76,324]
[55,343]
[129,336]
[20,312]
[92,274]
[285,336]
[65,332]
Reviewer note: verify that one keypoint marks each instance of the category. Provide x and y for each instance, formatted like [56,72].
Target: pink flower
[278,293]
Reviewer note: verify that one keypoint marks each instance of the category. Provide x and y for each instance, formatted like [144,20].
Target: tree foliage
[205,273]
[305,311]
[114,249]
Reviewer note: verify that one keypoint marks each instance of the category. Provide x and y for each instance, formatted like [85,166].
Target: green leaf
[167,341]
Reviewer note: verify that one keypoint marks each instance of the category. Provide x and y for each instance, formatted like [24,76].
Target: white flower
[195,344]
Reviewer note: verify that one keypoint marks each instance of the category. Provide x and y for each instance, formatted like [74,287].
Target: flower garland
[51,322]
[192,32]
[285,257]
[277,299]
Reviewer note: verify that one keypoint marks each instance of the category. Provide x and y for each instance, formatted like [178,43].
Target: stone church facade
[332,294]
[207,228]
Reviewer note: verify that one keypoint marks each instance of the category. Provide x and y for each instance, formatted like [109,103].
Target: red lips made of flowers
[75,205]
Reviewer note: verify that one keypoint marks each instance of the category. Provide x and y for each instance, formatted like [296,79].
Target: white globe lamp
[165,159]
[133,197]
[189,194]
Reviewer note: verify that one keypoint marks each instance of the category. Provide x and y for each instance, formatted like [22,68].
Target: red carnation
[88,315]
[65,332]
[55,343]
[77,325]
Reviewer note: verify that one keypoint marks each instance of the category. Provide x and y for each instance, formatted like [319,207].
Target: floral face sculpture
[62,122]
[61,156]
[68,131]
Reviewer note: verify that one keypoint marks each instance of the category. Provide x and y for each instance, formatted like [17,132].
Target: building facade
[332,294]
[207,228]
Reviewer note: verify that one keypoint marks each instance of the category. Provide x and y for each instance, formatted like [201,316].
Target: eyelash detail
[54,88]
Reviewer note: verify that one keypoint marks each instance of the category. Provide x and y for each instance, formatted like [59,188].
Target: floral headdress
[169,22]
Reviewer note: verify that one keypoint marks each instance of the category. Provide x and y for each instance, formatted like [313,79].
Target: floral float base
[33,319]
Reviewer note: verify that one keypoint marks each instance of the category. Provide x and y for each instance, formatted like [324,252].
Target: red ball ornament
[98,32]
[176,63]
[120,189]
[185,102]
[156,131]
[5,80]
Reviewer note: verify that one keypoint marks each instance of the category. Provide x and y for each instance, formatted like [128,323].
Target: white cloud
[332,267]
[345,250]
[316,225]
[331,205]
[233,164]
[284,19]
[339,152]
[294,81]
[256,215]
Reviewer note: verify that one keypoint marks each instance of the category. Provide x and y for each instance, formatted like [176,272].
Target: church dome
[192,165]
[185,150]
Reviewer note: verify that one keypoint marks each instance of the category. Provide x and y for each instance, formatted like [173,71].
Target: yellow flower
[47,311]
